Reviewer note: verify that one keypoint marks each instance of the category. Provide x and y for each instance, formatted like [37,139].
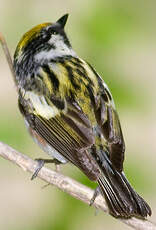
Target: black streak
[71,77]
[52,76]
[58,102]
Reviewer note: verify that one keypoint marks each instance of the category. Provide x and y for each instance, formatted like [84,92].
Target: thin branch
[68,185]
[8,56]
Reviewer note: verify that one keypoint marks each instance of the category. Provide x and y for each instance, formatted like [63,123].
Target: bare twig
[67,185]
[8,56]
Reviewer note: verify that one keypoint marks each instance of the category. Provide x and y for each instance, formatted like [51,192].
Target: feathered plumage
[70,113]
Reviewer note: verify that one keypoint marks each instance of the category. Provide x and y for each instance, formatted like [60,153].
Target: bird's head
[44,41]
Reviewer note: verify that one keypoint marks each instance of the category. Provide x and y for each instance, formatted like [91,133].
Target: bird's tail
[121,198]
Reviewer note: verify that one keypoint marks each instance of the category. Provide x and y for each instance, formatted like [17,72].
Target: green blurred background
[119,39]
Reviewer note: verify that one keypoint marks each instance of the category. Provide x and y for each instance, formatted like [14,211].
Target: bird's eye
[52,31]
[55,32]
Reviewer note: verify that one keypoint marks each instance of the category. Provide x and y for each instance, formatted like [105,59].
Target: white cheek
[60,47]
[54,39]
[57,41]
[60,50]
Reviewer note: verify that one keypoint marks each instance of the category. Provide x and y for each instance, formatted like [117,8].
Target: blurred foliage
[107,26]
[103,29]
[12,137]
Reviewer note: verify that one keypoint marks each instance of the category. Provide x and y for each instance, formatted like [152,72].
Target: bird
[70,113]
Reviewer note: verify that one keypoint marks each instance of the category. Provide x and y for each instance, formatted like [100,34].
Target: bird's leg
[96,193]
[41,163]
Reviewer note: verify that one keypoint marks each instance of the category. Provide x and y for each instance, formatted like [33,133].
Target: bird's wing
[69,132]
[108,120]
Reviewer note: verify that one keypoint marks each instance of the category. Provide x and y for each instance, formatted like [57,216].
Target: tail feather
[121,198]
[142,206]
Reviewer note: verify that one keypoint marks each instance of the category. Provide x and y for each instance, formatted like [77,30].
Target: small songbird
[70,113]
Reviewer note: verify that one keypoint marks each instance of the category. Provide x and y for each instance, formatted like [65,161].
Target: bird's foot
[96,193]
[40,164]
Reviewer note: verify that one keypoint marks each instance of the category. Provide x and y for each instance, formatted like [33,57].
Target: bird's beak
[62,21]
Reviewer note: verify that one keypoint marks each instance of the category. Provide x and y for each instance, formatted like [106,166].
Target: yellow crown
[30,35]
